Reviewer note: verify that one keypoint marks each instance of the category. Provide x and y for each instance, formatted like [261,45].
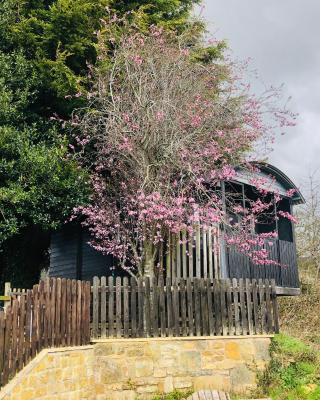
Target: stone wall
[130,369]
[55,374]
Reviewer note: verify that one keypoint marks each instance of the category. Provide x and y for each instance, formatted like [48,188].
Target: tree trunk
[148,259]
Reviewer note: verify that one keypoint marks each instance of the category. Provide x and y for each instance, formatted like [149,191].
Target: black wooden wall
[72,257]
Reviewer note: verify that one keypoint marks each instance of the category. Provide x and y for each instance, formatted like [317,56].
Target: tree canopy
[164,127]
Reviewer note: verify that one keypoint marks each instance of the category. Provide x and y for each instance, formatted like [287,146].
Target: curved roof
[282,180]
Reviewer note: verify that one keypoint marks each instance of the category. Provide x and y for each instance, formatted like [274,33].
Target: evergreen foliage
[46,47]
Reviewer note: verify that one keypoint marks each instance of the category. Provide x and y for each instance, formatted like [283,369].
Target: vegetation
[300,315]
[161,132]
[176,395]
[294,371]
[46,48]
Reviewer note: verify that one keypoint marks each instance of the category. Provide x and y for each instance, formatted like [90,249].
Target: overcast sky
[282,37]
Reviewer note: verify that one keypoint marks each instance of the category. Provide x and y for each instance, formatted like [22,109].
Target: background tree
[45,50]
[165,126]
[308,229]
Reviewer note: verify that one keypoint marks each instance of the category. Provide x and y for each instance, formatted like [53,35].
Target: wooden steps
[209,395]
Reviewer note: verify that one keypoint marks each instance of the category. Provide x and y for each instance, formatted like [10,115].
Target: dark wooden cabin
[72,257]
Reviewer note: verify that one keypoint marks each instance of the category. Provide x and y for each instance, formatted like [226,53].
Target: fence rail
[54,313]
[185,307]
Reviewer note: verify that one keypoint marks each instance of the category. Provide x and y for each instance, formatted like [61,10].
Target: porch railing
[198,307]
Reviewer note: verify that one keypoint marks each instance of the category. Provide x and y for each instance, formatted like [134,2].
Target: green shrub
[176,395]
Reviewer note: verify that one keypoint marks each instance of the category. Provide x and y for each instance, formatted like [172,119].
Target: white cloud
[282,38]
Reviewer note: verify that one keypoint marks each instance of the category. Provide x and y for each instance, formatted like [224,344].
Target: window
[285,231]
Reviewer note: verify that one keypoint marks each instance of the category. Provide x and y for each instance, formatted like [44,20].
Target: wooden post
[7,293]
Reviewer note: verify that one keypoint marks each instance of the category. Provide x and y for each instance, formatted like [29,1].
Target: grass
[293,373]
[300,316]
[176,395]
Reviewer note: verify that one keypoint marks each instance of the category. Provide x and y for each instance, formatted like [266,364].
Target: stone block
[113,370]
[242,378]
[102,350]
[159,372]
[226,364]
[232,350]
[143,367]
[261,349]
[214,345]
[27,395]
[147,389]
[210,359]
[134,351]
[182,382]
[247,350]
[189,361]
[215,382]
[168,384]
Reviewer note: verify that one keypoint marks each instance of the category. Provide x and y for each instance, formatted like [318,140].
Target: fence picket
[268,306]
[58,314]
[236,306]
[63,310]
[224,315]
[197,307]
[110,307]
[169,307]
[229,307]
[147,303]
[255,307]
[183,307]
[95,307]
[125,307]
[210,307]
[118,307]
[275,306]
[103,283]
[2,344]
[133,285]
[154,308]
[162,306]
[217,307]
[244,325]
[190,308]
[249,306]
[175,306]
[140,308]
[262,307]
[204,307]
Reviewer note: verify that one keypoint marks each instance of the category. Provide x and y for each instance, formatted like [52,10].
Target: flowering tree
[169,120]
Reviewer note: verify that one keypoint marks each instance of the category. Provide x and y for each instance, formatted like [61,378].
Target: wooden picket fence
[54,313]
[64,312]
[184,307]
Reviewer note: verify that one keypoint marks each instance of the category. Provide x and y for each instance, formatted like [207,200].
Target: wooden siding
[93,262]
[196,257]
[63,253]
[285,273]
[72,257]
